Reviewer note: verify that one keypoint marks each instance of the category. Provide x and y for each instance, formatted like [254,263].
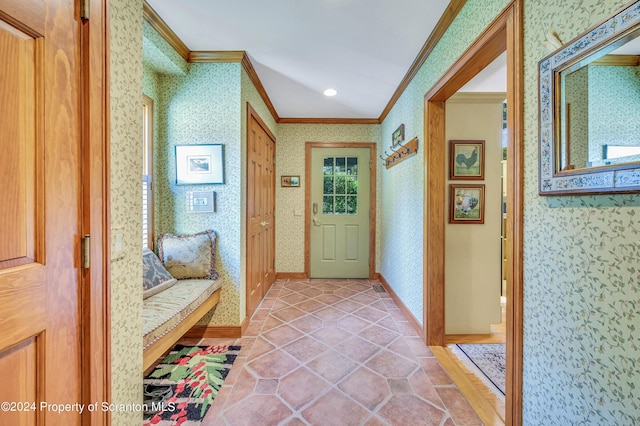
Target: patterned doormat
[180,390]
[487,361]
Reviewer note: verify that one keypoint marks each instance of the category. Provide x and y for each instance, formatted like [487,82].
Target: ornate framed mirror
[590,110]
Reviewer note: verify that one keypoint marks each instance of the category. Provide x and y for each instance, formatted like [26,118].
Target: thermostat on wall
[201,201]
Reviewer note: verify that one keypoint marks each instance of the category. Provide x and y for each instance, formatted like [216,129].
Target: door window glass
[340,185]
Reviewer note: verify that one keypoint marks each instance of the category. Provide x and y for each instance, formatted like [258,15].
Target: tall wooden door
[39,212]
[260,210]
[340,210]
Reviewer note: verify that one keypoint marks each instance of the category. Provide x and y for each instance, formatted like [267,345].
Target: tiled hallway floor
[335,352]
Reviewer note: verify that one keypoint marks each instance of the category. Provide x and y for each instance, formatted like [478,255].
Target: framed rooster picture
[466,160]
[466,203]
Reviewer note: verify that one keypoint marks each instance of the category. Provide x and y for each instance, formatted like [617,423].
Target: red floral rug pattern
[195,374]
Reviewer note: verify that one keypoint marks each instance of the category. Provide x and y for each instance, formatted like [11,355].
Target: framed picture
[466,203]
[290,181]
[199,164]
[466,160]
[201,201]
[398,136]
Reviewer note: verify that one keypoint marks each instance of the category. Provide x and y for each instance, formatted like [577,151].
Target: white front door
[340,188]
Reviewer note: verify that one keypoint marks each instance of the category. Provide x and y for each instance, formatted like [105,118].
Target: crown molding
[161,27]
[618,61]
[158,24]
[216,56]
[253,76]
[329,120]
[450,13]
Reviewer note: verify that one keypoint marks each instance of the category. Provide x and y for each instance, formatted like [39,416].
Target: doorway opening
[503,35]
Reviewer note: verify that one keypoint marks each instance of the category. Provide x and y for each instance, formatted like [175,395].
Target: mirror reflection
[599,107]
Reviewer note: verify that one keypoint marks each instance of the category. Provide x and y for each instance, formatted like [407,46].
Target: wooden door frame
[252,113]
[95,293]
[372,200]
[504,33]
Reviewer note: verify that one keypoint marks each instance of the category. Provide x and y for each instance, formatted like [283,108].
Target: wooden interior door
[260,210]
[40,211]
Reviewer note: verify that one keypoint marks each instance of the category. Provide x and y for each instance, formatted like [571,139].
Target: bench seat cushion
[165,310]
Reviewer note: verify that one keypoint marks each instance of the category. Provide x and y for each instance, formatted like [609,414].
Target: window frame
[147,169]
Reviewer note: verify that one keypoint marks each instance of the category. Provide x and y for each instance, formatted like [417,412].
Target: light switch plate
[117,242]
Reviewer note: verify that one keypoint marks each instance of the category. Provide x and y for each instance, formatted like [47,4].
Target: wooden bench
[168,315]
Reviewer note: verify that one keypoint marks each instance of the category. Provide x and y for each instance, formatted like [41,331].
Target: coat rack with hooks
[400,154]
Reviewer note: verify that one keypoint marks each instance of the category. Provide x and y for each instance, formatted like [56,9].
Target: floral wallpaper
[581,283]
[290,160]
[401,211]
[125,30]
[203,107]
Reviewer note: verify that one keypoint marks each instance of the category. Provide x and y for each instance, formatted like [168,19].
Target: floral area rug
[489,359]
[184,384]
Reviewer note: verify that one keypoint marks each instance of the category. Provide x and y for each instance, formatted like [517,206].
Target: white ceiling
[361,48]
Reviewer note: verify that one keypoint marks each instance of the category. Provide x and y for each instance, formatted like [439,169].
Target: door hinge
[86,251]
[84,9]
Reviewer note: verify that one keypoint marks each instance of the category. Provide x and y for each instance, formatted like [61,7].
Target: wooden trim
[618,61]
[407,313]
[166,342]
[504,33]
[294,120]
[161,27]
[218,331]
[292,276]
[372,199]
[253,113]
[96,317]
[244,325]
[515,211]
[253,76]
[477,97]
[215,56]
[483,408]
[447,18]
[434,224]
[214,331]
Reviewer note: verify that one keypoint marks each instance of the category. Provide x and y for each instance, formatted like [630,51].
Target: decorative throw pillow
[189,256]
[155,277]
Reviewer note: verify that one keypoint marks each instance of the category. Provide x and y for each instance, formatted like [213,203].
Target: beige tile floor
[334,352]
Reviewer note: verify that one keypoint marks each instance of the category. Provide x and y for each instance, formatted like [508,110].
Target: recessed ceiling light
[330,92]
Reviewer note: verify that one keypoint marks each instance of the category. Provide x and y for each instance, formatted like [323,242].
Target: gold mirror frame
[606,179]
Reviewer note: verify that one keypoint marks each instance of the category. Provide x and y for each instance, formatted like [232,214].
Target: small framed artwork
[199,164]
[201,201]
[466,203]
[466,160]
[398,136]
[290,181]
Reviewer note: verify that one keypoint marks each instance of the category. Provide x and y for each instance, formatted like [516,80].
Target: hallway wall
[125,132]
[581,307]
[402,187]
